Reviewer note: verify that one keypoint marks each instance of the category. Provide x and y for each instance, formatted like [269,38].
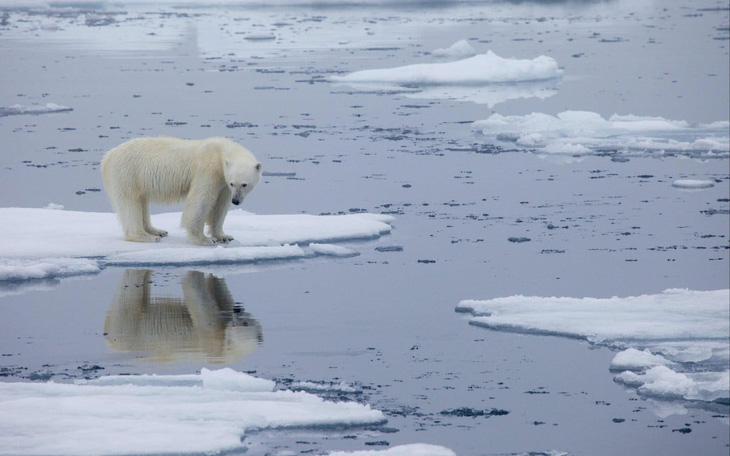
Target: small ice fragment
[634,360]
[692,184]
[389,248]
[261,37]
[460,49]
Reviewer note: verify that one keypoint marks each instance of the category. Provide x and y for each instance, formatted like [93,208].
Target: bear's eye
[231,184]
[244,185]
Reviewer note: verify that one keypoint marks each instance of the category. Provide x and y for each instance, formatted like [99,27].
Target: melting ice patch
[693,184]
[583,132]
[667,338]
[48,108]
[483,79]
[150,414]
[48,243]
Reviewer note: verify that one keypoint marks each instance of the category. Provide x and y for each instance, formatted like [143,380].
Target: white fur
[208,174]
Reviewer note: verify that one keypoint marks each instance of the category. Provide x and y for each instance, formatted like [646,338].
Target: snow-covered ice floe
[483,79]
[159,414]
[50,243]
[675,344]
[486,68]
[584,132]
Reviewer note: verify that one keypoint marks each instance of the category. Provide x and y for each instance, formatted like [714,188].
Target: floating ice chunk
[481,69]
[636,360]
[663,382]
[692,184]
[677,326]
[18,109]
[42,243]
[584,132]
[671,315]
[416,449]
[206,413]
[461,49]
[332,250]
[58,207]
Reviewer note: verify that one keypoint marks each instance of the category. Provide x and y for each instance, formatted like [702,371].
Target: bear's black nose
[236,202]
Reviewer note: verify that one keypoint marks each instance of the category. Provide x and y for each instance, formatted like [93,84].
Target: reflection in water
[205,324]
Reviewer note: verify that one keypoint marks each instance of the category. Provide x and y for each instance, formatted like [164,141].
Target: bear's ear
[258,166]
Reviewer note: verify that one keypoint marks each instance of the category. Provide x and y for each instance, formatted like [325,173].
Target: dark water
[383,321]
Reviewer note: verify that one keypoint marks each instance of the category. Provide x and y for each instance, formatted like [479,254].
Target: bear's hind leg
[148,224]
[131,215]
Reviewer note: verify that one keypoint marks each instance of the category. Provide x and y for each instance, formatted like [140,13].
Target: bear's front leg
[217,216]
[194,215]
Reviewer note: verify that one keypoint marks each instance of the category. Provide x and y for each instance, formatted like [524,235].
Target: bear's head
[241,177]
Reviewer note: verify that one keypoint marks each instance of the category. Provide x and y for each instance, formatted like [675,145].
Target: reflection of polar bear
[208,173]
[206,323]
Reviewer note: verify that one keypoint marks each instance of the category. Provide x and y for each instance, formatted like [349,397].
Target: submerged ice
[666,338]
[159,414]
[583,132]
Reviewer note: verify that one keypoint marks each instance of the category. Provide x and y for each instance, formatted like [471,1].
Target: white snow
[584,132]
[693,184]
[635,360]
[481,69]
[44,243]
[663,382]
[206,413]
[461,49]
[416,449]
[671,328]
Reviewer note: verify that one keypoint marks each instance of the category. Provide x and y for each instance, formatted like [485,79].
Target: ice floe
[584,132]
[483,79]
[416,449]
[49,243]
[159,414]
[481,69]
[687,330]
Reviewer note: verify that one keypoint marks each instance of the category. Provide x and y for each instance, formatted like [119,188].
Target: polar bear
[207,173]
